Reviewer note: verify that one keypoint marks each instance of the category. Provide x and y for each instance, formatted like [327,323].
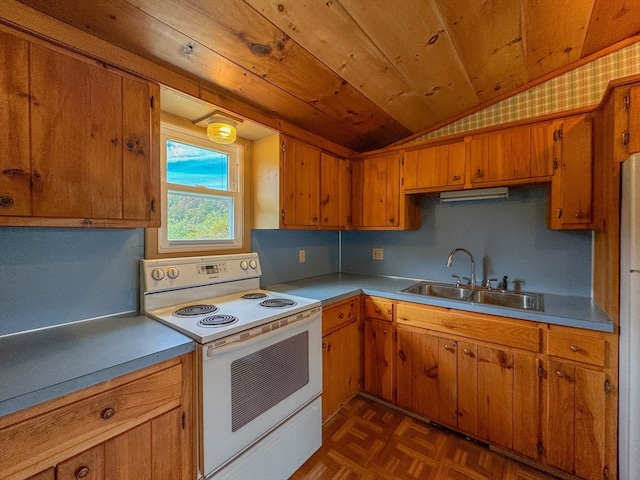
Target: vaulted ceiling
[361,73]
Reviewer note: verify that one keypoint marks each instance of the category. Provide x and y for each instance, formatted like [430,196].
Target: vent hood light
[476,194]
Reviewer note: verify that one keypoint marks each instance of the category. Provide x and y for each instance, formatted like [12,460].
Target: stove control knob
[173,272]
[157,274]
[244,265]
[253,264]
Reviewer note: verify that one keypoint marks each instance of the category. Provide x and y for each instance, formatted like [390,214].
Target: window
[202,189]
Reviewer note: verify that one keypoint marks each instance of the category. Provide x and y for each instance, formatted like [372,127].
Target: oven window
[202,207]
[263,379]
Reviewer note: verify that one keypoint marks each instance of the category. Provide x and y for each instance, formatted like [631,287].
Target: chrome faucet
[473,262]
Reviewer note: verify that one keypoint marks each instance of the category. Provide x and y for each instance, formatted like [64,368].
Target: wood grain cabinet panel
[570,202]
[298,186]
[435,168]
[81,153]
[139,428]
[379,358]
[378,202]
[376,307]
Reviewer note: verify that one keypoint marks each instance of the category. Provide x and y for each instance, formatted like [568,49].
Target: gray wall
[506,236]
[51,276]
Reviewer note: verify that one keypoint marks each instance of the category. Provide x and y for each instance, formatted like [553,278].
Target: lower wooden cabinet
[379,358]
[136,426]
[341,355]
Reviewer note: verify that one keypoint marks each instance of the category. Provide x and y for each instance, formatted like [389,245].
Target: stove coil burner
[191,310]
[253,296]
[217,321]
[277,303]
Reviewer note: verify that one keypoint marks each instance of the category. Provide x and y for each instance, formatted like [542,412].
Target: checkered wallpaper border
[583,86]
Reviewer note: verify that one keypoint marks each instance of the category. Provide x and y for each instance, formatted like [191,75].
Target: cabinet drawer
[338,315]
[54,435]
[378,308]
[577,346]
[488,328]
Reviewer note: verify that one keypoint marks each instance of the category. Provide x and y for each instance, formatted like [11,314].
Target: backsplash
[51,276]
[506,236]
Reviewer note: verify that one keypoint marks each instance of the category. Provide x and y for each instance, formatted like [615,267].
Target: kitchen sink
[440,290]
[484,296]
[523,301]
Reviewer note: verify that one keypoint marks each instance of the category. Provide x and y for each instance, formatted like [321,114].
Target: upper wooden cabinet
[631,107]
[438,168]
[570,201]
[511,155]
[297,185]
[82,149]
[377,199]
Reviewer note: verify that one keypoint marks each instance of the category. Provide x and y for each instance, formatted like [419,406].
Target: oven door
[252,386]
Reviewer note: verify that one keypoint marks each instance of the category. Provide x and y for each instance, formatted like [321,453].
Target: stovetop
[209,319]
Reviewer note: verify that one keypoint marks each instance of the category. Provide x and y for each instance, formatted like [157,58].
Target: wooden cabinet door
[417,372]
[542,149]
[575,433]
[434,167]
[15,167]
[572,184]
[495,396]
[88,465]
[300,188]
[378,358]
[527,405]
[76,137]
[468,414]
[448,382]
[633,128]
[486,153]
[334,191]
[516,154]
[376,191]
[49,474]
[340,367]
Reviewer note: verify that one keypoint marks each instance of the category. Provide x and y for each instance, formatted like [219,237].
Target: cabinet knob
[324,345]
[560,373]
[466,351]
[341,315]
[6,201]
[315,219]
[82,472]
[479,173]
[447,347]
[384,331]
[326,219]
[578,215]
[108,412]
[456,177]
[575,348]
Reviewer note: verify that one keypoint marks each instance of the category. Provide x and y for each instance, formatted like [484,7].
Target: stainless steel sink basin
[523,301]
[465,293]
[440,290]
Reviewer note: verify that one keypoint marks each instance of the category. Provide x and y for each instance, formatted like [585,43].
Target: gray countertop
[44,364]
[580,312]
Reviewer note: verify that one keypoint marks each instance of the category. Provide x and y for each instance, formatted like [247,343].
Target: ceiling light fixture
[221,128]
[475,194]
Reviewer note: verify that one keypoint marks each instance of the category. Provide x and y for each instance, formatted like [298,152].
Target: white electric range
[259,362]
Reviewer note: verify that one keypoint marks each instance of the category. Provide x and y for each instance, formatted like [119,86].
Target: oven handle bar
[239,341]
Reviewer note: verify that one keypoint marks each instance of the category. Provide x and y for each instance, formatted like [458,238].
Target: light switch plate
[302,256]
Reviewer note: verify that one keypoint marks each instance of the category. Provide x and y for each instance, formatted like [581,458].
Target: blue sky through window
[196,166]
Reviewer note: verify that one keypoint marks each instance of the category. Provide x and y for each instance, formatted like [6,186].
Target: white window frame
[235,152]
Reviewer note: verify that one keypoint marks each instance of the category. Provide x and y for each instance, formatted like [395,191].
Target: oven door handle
[295,321]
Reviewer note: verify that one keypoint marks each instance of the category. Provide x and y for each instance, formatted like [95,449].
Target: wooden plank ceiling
[363,74]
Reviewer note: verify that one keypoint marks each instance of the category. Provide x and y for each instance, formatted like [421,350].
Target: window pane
[196,166]
[199,217]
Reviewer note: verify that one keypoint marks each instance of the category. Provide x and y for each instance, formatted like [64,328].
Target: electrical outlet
[378,254]
[302,256]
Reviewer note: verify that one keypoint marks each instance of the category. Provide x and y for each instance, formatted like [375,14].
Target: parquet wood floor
[370,441]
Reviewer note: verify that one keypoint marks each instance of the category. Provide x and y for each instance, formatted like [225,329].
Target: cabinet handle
[448,348]
[578,215]
[384,331]
[456,177]
[560,373]
[559,213]
[402,356]
[324,345]
[575,348]
[108,412]
[82,472]
[479,173]
[6,201]
[466,351]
